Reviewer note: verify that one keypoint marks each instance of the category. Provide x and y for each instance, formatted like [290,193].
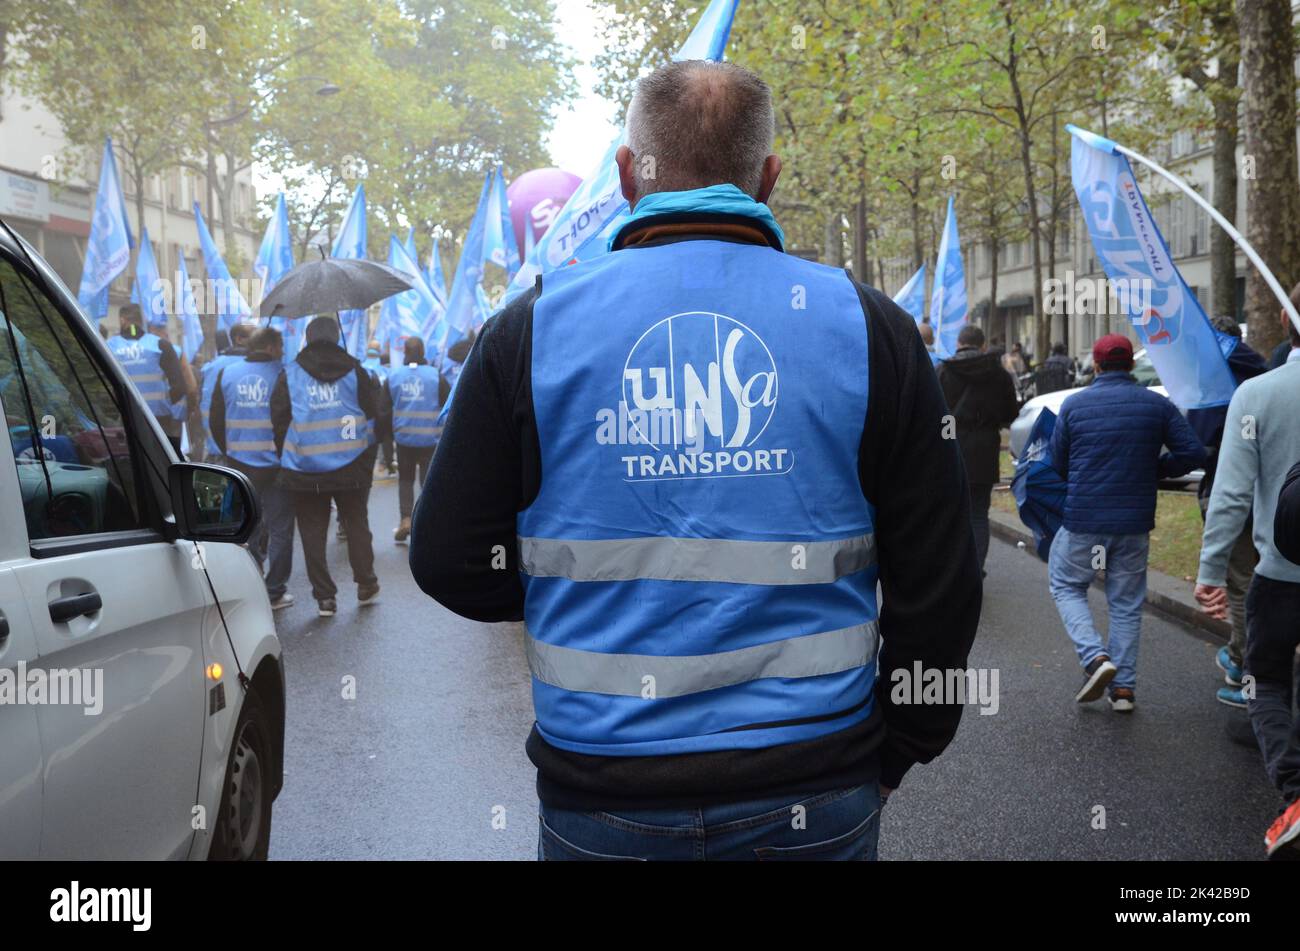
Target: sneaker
[1282,840]
[1122,700]
[327,608]
[282,602]
[1097,675]
[367,593]
[1231,672]
[1232,696]
[402,532]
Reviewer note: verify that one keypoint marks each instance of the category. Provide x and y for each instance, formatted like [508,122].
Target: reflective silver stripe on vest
[696,559]
[258,445]
[418,430]
[144,377]
[336,423]
[417,414]
[321,449]
[812,655]
[249,423]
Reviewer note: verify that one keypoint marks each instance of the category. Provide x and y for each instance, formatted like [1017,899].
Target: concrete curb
[1165,594]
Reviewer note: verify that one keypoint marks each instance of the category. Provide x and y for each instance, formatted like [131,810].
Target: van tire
[243,828]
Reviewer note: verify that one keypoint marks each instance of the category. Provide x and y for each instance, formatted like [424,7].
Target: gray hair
[696,123]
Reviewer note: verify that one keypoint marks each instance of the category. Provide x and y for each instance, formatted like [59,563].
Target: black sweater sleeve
[929,572]
[217,414]
[464,551]
[281,410]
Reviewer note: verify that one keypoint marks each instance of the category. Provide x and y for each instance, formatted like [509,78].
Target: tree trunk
[1223,252]
[860,242]
[994,330]
[1273,190]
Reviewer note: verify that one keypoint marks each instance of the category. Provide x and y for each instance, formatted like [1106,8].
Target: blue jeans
[1070,570]
[839,825]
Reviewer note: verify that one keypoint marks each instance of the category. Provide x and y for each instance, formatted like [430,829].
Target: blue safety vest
[414,389]
[246,387]
[329,428]
[207,386]
[699,564]
[375,367]
[141,358]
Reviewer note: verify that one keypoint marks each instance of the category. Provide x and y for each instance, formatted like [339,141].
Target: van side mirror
[212,503]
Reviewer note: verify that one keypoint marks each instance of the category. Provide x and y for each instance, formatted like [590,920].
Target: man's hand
[1213,600]
[885,793]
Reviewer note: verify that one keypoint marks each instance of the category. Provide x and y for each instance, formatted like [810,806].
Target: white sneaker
[282,602]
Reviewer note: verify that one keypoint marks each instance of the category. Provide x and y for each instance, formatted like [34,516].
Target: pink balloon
[538,196]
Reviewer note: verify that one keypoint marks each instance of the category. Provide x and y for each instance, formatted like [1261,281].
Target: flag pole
[1213,212]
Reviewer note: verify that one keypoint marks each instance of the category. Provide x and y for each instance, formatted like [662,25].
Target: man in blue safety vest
[687,465]
[153,366]
[413,390]
[325,408]
[237,346]
[242,431]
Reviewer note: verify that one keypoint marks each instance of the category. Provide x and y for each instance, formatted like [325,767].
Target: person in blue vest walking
[325,408]
[242,431]
[377,366]
[236,347]
[153,366]
[414,392]
[687,465]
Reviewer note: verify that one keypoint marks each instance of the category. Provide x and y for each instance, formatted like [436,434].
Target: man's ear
[771,172]
[623,158]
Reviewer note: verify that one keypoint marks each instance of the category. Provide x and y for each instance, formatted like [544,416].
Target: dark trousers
[272,543]
[1272,636]
[312,510]
[981,497]
[409,458]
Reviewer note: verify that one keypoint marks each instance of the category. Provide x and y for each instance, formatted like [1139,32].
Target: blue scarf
[714,200]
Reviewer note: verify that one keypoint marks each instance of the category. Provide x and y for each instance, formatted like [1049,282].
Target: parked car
[126,593]
[1024,422]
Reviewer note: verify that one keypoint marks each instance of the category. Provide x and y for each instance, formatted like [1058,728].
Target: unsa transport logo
[412,389]
[321,395]
[252,389]
[700,390]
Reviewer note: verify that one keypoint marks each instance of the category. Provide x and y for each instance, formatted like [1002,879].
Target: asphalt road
[425,760]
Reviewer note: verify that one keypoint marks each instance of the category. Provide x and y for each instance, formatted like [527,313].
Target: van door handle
[63,610]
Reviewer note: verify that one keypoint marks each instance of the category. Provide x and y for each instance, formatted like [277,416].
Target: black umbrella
[333,284]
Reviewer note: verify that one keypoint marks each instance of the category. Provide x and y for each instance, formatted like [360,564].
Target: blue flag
[1165,314]
[275,255]
[597,208]
[912,297]
[499,244]
[410,249]
[413,313]
[463,300]
[274,260]
[948,296]
[230,304]
[528,237]
[434,276]
[148,290]
[351,243]
[191,328]
[109,248]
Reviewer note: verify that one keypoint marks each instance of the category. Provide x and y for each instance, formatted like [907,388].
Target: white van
[141,683]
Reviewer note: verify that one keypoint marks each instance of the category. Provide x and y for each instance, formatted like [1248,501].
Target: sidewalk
[1166,595]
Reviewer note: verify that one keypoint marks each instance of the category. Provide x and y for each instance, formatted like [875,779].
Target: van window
[64,421]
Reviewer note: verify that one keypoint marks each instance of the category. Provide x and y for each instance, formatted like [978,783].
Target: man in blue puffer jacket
[1107,446]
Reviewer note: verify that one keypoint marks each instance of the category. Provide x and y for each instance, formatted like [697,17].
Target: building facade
[48,198]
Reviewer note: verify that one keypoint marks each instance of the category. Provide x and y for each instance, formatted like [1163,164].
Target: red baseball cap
[1112,347]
